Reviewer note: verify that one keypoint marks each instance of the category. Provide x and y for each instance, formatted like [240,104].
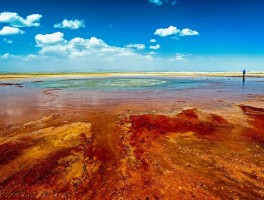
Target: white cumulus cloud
[55,44]
[80,53]
[153,41]
[172,30]
[71,24]
[155,47]
[137,46]
[188,32]
[49,39]
[164,32]
[7,30]
[13,19]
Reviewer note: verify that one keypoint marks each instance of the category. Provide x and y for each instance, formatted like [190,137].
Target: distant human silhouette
[244,73]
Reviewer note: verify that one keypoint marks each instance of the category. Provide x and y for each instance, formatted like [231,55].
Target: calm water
[156,83]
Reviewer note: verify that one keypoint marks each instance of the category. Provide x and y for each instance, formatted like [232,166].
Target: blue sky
[131,35]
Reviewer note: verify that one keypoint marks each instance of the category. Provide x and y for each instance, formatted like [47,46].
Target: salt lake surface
[152,83]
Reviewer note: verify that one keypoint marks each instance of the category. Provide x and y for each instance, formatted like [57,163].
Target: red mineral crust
[110,154]
[256,119]
[11,150]
[153,126]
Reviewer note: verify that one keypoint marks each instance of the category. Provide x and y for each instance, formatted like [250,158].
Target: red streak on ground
[256,119]
[154,126]
[11,150]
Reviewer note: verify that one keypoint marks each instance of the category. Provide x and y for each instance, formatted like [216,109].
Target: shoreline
[128,74]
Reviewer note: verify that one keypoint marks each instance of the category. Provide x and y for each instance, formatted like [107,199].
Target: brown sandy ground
[8,76]
[191,154]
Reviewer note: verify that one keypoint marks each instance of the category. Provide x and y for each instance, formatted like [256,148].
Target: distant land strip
[113,74]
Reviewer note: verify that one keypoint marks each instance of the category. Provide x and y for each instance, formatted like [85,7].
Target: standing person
[244,73]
